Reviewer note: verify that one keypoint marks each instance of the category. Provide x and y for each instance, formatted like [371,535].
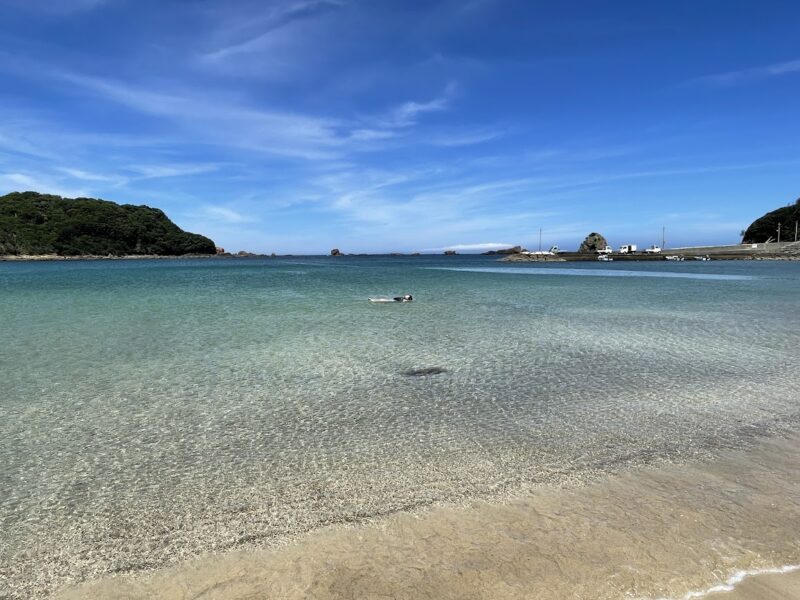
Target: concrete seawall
[771,251]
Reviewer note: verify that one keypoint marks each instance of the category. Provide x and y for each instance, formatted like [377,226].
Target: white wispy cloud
[479,247]
[408,113]
[270,26]
[225,214]
[417,207]
[744,76]
[158,171]
[220,120]
[19,179]
[465,138]
[59,7]
[44,183]
[369,135]
[132,173]
[587,180]
[90,176]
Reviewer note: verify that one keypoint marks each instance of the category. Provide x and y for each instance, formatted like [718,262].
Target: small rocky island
[593,244]
[42,225]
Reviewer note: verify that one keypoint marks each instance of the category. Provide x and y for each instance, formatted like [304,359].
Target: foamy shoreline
[783,583]
[752,585]
[678,532]
[60,257]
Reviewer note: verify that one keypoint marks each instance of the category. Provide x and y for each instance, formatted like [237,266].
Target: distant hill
[766,227]
[36,224]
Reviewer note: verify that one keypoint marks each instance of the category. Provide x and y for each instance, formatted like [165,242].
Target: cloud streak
[225,121]
[751,75]
[224,214]
[60,7]
[479,247]
[270,26]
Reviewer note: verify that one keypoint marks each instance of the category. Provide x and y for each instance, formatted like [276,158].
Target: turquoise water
[155,410]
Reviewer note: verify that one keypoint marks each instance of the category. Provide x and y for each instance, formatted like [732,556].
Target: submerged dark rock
[424,371]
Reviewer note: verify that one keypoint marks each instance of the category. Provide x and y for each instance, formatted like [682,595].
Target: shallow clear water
[153,410]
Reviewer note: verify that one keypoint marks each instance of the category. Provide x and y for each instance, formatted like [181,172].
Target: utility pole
[779,235]
[795,231]
[663,239]
[540,239]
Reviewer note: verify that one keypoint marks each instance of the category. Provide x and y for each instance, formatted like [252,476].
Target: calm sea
[154,410]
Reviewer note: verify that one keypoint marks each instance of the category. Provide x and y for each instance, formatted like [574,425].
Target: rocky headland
[47,227]
[766,228]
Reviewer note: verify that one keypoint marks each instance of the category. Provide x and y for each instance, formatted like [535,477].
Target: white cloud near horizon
[34,182]
[482,246]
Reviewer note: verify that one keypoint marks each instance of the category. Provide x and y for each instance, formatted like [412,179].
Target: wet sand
[771,586]
[667,532]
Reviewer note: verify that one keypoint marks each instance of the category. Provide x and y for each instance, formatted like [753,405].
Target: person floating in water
[406,298]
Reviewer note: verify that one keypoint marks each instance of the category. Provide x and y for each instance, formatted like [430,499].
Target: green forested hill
[766,227]
[33,223]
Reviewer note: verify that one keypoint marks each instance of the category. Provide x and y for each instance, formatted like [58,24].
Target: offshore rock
[504,251]
[593,242]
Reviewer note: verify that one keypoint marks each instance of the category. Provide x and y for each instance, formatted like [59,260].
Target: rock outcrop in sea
[505,251]
[593,242]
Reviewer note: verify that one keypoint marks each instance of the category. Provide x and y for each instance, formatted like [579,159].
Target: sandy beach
[669,532]
[768,586]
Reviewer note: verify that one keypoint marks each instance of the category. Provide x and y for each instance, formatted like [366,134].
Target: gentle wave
[594,273]
[735,579]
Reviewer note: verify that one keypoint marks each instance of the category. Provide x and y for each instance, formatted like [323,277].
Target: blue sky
[301,125]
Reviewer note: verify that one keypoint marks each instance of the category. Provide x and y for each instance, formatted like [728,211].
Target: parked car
[627,249]
[653,250]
